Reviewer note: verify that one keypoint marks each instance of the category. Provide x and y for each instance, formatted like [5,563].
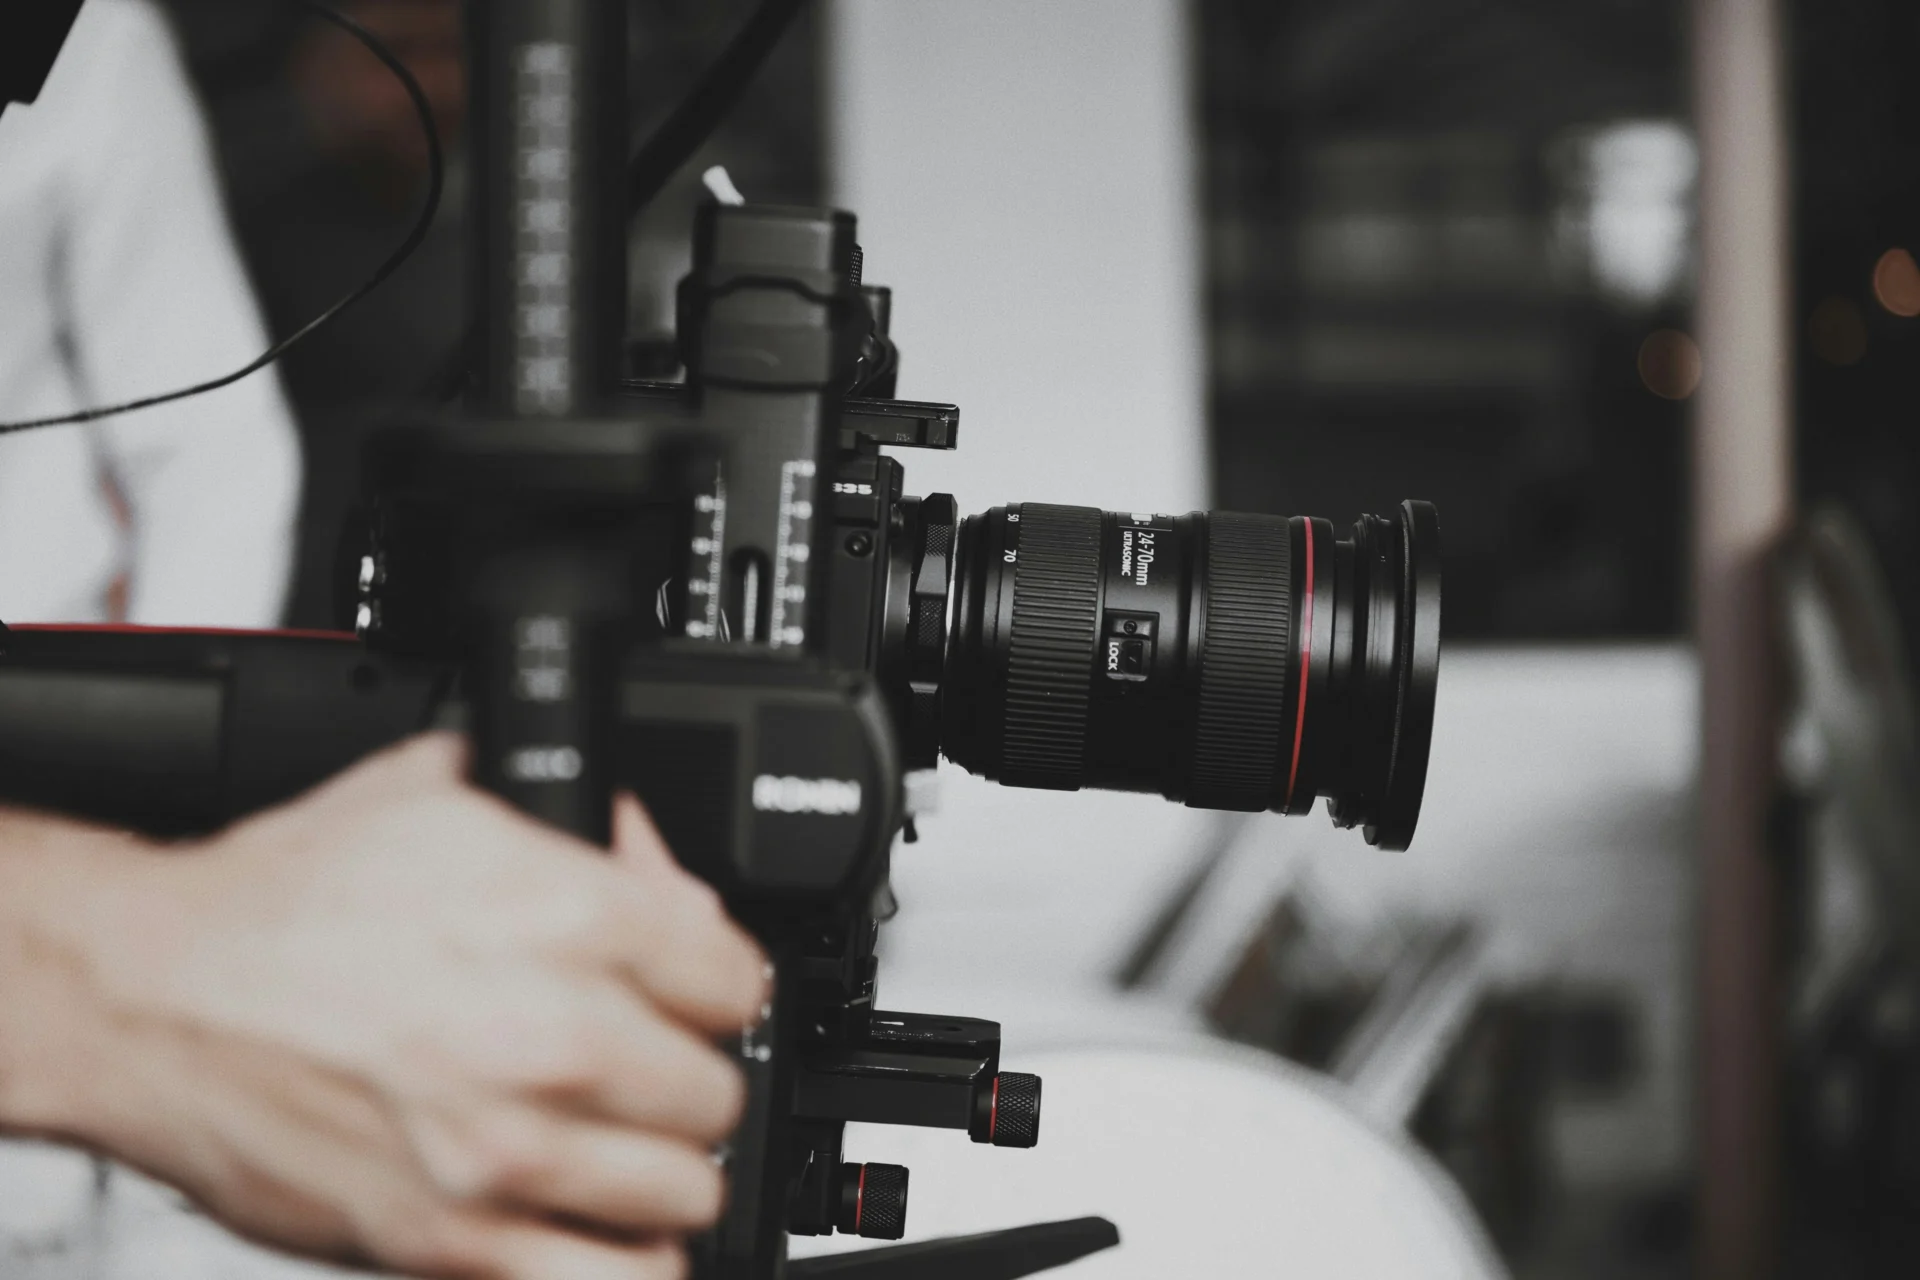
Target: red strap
[121,628]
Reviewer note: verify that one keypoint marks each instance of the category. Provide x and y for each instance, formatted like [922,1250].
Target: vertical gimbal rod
[772,317]
[549,95]
[548,594]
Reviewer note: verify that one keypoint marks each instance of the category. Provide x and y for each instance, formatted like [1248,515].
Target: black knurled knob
[1009,1111]
[873,1201]
[1056,630]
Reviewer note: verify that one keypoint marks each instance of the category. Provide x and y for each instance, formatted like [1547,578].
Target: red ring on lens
[1306,668]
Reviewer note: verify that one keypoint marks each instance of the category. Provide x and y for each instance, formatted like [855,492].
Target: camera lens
[1229,661]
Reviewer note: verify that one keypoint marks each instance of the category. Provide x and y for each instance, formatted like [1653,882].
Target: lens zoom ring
[1056,625]
[1238,730]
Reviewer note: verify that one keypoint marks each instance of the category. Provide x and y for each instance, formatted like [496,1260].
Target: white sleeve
[158,300]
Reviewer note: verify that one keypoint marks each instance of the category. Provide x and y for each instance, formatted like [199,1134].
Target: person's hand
[357,109]
[395,1023]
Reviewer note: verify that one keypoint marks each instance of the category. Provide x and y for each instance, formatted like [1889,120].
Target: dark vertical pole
[548,203]
[548,597]
[549,620]
[1743,500]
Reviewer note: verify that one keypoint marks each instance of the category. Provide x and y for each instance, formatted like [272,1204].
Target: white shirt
[118,279]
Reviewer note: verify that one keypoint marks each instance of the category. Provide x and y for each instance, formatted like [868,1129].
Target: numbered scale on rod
[705,620]
[707,615]
[794,546]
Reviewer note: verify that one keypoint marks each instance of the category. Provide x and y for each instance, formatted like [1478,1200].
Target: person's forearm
[68,893]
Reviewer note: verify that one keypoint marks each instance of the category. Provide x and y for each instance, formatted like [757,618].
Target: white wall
[1025,176]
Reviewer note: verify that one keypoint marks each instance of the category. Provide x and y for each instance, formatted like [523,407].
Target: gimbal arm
[178,733]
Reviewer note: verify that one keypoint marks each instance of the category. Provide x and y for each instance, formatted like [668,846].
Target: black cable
[436,160]
[675,141]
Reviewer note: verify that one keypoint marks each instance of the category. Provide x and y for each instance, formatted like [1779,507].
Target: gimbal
[715,593]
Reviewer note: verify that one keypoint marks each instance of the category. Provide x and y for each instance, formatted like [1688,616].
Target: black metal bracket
[909,1068]
[864,423]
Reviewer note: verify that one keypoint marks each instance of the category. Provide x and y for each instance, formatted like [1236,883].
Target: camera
[1224,660]
[779,634]
[718,594]
[1228,661]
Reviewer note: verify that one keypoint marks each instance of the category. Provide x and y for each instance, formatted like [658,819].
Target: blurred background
[1316,256]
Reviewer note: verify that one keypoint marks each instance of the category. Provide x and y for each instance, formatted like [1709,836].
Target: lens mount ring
[1416,559]
[937,525]
[930,526]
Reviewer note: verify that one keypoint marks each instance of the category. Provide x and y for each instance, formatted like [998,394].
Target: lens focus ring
[1244,667]
[1056,625]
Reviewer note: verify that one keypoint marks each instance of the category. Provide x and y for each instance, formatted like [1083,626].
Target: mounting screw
[859,544]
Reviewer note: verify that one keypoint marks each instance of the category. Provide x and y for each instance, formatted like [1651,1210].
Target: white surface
[1024,175]
[1557,816]
[1212,1163]
[65,1217]
[118,279]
